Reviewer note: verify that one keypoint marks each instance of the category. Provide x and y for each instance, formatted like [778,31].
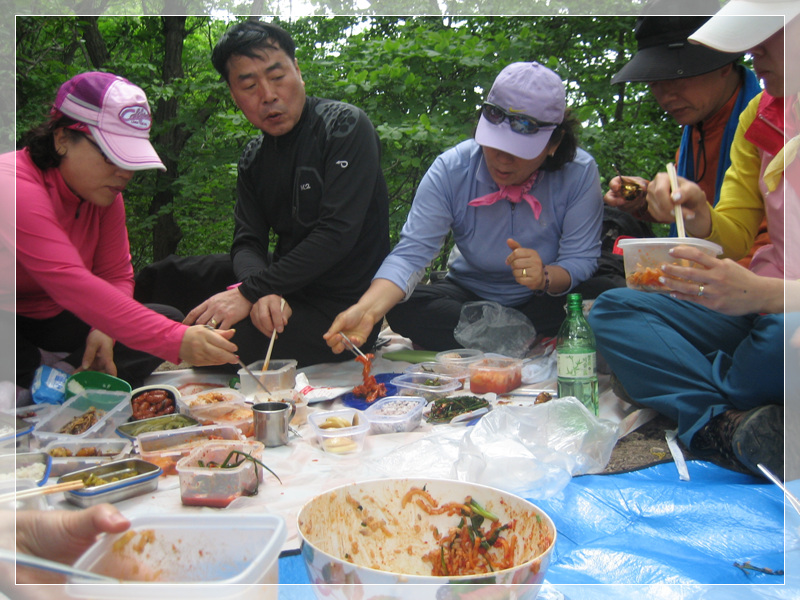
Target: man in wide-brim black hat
[703,89]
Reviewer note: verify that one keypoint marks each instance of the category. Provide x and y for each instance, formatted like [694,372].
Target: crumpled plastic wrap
[492,327]
[529,451]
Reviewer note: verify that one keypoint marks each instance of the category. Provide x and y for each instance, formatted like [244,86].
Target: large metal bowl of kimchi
[424,538]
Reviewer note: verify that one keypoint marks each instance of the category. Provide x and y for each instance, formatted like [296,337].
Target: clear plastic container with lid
[459,356]
[340,431]
[87,414]
[496,374]
[395,414]
[426,386]
[205,485]
[236,553]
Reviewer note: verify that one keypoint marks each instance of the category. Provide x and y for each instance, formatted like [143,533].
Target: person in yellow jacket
[710,353]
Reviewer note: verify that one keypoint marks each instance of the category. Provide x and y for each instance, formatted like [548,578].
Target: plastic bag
[530,451]
[534,451]
[492,327]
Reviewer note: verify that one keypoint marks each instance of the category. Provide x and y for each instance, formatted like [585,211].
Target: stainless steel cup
[271,422]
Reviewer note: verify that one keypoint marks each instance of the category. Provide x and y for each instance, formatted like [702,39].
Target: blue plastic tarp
[646,534]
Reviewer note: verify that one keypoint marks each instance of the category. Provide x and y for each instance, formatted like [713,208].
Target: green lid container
[94,380]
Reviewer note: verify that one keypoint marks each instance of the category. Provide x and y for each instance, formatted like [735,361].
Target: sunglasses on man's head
[519,123]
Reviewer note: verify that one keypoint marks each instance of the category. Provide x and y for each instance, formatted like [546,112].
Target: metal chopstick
[352,347]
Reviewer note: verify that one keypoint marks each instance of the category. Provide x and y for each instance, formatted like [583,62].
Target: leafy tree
[420,79]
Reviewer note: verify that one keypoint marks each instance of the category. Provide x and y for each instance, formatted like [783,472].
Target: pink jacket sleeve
[83,264]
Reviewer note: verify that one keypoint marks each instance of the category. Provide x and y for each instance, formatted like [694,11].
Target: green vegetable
[444,409]
[411,356]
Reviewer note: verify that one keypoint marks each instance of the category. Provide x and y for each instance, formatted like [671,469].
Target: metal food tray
[127,430]
[145,481]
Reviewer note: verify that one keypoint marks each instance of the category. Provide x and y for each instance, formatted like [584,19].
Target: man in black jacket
[313,179]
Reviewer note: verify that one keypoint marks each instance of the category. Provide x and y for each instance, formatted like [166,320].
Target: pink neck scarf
[513,193]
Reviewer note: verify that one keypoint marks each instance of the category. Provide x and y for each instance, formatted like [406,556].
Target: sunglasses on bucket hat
[518,122]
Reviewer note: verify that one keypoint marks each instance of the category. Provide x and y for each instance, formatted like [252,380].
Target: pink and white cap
[117,114]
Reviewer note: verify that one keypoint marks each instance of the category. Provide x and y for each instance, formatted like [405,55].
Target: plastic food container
[93,380]
[459,356]
[395,414]
[68,456]
[643,258]
[454,370]
[498,375]
[429,387]
[31,466]
[133,477]
[211,397]
[237,415]
[105,403]
[35,412]
[217,487]
[340,440]
[15,434]
[237,553]
[166,448]
[168,422]
[154,401]
[279,376]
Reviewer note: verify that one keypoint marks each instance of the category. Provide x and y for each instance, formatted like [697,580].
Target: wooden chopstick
[66,486]
[673,184]
[272,341]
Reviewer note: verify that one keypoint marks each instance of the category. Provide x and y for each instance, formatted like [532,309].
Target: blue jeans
[688,362]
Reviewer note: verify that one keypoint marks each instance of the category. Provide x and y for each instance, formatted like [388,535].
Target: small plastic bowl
[93,380]
[459,356]
[341,440]
[280,375]
[164,403]
[426,386]
[395,414]
[216,487]
[213,397]
[644,257]
[498,375]
[456,371]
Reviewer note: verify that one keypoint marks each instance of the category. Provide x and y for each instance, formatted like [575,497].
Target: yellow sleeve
[736,217]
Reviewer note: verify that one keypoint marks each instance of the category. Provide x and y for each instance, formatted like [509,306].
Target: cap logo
[137,117]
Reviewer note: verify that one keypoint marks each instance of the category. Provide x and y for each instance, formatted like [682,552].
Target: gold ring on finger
[524,273]
[213,322]
[701,290]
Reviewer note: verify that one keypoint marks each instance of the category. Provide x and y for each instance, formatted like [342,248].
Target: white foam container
[199,555]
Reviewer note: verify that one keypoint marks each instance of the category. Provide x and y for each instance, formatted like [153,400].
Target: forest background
[420,80]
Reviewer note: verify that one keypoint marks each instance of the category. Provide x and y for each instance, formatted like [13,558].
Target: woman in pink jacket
[74,287]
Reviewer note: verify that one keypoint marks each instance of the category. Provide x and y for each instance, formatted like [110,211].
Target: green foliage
[420,79]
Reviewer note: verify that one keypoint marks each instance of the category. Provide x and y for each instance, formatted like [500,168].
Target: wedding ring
[524,273]
[213,322]
[700,291]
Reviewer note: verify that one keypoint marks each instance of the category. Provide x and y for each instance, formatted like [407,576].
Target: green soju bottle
[577,356]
